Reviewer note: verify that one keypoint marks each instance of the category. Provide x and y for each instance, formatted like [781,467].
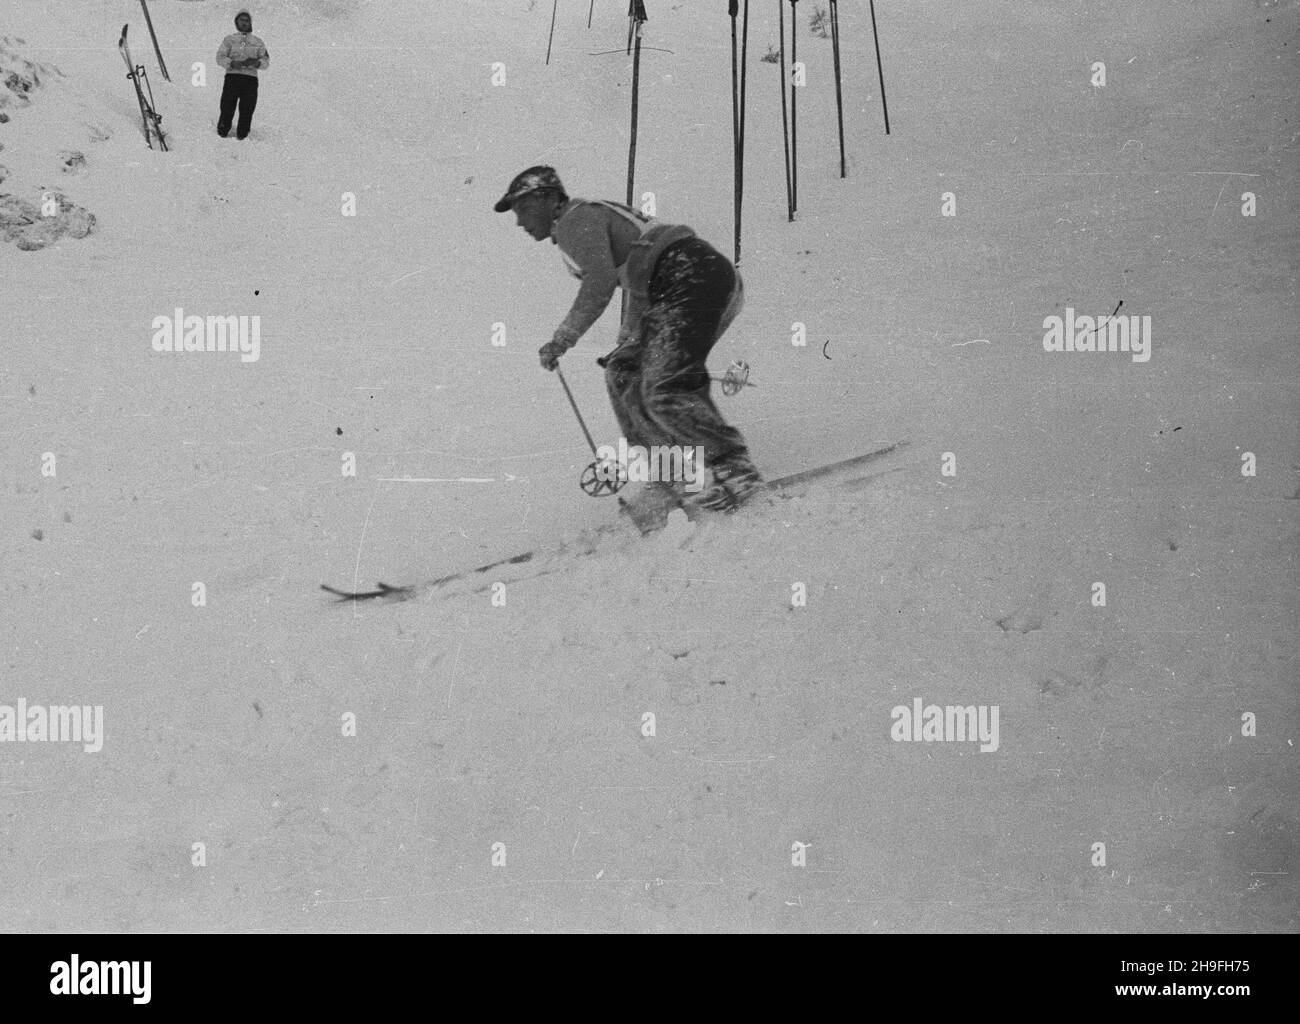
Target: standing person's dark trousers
[241,91]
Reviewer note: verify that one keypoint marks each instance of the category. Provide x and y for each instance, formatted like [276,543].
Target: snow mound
[34,223]
[20,76]
[30,227]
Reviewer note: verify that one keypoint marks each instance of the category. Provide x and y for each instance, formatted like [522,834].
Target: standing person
[242,54]
[682,294]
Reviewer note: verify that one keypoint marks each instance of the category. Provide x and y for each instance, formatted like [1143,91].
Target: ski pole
[153,110]
[589,10]
[839,95]
[879,67]
[144,109]
[595,479]
[581,422]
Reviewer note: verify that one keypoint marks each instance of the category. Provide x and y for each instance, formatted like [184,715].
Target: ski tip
[382,590]
[350,595]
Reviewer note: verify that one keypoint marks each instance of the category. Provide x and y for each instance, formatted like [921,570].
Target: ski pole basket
[602,478]
[736,378]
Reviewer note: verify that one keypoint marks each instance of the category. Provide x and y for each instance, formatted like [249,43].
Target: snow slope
[522,724]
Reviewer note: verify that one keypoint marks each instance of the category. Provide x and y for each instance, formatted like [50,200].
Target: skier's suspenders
[645,225]
[640,221]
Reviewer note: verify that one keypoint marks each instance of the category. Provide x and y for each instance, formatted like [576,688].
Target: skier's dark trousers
[243,55]
[658,381]
[238,90]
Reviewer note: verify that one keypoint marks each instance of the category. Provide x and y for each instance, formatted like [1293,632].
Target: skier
[682,294]
[242,54]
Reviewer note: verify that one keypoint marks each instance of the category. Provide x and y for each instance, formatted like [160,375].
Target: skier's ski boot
[731,485]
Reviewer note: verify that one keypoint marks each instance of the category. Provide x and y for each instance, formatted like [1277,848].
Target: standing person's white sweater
[242,53]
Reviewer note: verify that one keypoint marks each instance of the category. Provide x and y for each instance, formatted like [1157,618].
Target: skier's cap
[535,179]
[243,12]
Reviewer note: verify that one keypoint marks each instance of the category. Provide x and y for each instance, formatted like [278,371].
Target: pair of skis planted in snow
[778,486]
[144,95]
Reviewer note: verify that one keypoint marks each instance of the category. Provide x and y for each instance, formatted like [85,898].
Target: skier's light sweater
[243,46]
[607,246]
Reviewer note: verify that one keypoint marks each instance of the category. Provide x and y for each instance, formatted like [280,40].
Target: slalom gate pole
[551,37]
[794,110]
[740,172]
[879,67]
[839,95]
[733,9]
[149,21]
[639,19]
[785,122]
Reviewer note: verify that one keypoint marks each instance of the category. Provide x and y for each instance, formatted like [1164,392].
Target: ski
[148,115]
[400,593]
[785,483]
[782,485]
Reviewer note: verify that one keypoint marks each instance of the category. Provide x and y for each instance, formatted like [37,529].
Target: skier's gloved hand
[550,352]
